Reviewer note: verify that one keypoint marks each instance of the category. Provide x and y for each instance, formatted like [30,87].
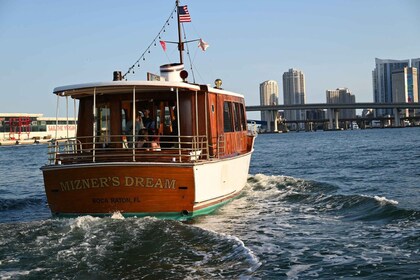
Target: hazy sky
[48,43]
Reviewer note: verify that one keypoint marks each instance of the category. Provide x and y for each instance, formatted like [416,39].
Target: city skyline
[50,44]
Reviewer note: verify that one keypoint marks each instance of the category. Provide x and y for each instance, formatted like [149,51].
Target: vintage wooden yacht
[187,153]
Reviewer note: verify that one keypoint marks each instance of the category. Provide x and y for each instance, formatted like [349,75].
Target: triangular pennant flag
[163,44]
[203,45]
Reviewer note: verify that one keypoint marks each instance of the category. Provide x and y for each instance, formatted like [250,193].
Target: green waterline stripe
[178,216]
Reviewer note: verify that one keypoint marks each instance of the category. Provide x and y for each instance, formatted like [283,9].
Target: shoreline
[23,142]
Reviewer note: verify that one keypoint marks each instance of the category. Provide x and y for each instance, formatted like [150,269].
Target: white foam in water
[239,247]
[117,216]
[17,274]
[384,200]
[269,180]
[83,222]
[296,269]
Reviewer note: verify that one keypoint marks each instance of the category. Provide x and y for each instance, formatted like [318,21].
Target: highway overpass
[334,108]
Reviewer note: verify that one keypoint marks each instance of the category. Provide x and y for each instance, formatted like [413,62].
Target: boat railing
[117,148]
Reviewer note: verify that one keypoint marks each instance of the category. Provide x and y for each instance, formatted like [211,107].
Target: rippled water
[323,205]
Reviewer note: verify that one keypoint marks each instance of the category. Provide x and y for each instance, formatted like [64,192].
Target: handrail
[162,148]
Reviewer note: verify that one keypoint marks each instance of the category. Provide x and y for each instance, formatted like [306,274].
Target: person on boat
[148,122]
[155,144]
[143,139]
[174,122]
[137,127]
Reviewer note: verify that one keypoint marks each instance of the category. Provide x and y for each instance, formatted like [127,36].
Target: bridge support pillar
[330,115]
[275,121]
[396,117]
[333,116]
[336,119]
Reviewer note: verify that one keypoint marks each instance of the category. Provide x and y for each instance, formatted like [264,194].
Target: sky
[47,43]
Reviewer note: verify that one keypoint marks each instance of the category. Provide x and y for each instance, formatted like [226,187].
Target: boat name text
[108,182]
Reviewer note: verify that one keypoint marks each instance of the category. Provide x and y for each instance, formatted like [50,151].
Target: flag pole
[180,43]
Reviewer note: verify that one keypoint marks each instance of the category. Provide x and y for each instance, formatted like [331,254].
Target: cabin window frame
[103,120]
[227,117]
[237,116]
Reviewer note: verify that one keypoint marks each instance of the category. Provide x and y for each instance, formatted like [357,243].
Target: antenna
[180,43]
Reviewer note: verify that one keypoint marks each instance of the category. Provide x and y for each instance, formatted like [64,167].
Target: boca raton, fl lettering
[127,181]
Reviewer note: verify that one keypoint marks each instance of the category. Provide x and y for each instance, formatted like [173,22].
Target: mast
[180,43]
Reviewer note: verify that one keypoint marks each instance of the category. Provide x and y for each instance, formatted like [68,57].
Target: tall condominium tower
[269,95]
[405,87]
[382,81]
[294,93]
[415,62]
[344,96]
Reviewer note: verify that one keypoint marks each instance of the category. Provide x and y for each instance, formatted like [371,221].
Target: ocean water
[321,205]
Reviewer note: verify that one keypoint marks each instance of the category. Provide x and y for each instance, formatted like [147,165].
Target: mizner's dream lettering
[127,181]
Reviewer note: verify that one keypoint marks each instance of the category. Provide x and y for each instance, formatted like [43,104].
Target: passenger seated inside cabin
[155,144]
[143,139]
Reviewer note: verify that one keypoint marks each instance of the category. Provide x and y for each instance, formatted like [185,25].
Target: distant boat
[354,125]
[187,153]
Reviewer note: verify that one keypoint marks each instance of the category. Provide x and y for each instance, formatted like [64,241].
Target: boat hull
[169,190]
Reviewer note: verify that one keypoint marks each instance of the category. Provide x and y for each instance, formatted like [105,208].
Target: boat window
[103,123]
[165,115]
[237,114]
[123,120]
[227,117]
[243,119]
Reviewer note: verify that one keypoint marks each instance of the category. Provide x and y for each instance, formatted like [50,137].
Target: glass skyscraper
[382,81]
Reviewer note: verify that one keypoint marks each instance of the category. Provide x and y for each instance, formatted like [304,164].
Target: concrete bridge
[335,108]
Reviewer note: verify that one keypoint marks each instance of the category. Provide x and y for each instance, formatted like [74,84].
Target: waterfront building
[343,96]
[24,126]
[382,81]
[405,87]
[269,95]
[294,92]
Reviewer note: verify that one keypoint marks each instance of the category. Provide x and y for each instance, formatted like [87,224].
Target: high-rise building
[269,95]
[382,81]
[343,96]
[294,93]
[415,62]
[405,87]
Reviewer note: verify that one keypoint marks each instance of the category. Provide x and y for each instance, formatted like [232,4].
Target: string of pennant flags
[184,17]
[201,44]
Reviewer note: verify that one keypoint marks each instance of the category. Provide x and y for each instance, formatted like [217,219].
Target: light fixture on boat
[117,76]
[218,83]
[184,75]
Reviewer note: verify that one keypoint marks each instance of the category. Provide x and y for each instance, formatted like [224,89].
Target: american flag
[184,15]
